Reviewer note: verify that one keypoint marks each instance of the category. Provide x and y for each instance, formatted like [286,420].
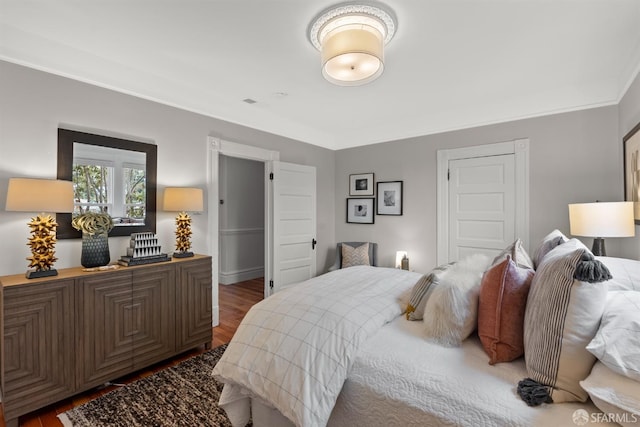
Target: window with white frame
[93,186]
[98,172]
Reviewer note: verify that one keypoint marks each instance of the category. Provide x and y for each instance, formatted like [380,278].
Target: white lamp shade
[352,56]
[39,195]
[351,38]
[399,256]
[178,199]
[602,219]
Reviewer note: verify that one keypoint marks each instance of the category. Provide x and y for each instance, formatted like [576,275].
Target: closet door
[482,205]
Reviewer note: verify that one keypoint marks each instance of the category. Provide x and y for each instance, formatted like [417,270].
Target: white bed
[401,379]
[396,377]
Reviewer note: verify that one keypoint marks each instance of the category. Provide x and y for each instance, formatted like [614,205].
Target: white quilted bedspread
[400,379]
[293,350]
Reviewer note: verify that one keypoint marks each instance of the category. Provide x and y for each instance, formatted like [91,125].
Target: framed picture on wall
[389,198]
[631,143]
[360,211]
[361,184]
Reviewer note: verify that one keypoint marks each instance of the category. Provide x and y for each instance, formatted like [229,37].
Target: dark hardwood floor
[234,301]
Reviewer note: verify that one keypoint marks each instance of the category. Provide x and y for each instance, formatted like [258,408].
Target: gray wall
[629,117]
[574,157]
[241,220]
[33,104]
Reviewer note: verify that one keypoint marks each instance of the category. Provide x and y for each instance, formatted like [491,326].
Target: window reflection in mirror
[109,180]
[112,175]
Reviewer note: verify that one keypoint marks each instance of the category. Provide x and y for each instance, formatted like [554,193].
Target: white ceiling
[452,63]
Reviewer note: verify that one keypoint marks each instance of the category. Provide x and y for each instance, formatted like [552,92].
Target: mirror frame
[66,138]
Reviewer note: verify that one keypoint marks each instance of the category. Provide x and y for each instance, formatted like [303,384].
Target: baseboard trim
[215,315]
[231,277]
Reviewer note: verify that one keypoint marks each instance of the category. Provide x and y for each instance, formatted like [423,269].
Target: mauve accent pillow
[501,308]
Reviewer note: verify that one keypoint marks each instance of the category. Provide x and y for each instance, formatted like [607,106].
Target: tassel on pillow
[591,270]
[533,393]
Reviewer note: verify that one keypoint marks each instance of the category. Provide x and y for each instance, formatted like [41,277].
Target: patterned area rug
[181,395]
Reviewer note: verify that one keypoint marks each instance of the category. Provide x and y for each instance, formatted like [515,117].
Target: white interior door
[482,205]
[294,224]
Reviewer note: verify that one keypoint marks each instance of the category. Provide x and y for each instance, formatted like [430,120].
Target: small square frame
[389,198]
[360,211]
[361,184]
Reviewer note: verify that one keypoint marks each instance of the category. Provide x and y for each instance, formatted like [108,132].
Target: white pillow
[617,342]
[613,394]
[546,245]
[625,272]
[451,311]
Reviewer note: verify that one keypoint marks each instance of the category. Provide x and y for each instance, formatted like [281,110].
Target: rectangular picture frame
[631,145]
[360,210]
[361,184]
[389,198]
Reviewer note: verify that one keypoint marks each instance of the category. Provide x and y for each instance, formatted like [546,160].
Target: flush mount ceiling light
[351,39]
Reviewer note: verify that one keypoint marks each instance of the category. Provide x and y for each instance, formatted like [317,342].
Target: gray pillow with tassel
[564,307]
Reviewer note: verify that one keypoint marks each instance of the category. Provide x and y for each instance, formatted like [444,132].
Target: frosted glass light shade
[351,38]
[602,219]
[352,56]
[399,256]
[39,195]
[179,199]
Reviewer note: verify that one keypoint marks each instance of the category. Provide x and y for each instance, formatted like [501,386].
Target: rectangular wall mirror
[111,175]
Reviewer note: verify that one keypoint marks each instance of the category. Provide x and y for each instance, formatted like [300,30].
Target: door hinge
[271,284]
[271,176]
[448,175]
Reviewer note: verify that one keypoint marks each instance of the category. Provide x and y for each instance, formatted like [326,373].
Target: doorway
[482,199]
[289,217]
[217,148]
[241,220]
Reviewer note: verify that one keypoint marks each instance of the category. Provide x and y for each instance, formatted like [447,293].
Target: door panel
[193,307]
[105,328]
[153,315]
[38,346]
[294,224]
[481,205]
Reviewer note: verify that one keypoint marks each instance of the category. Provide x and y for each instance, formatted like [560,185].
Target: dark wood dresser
[68,333]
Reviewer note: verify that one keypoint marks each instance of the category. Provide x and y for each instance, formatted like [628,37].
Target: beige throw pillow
[421,291]
[355,256]
[564,308]
[517,253]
